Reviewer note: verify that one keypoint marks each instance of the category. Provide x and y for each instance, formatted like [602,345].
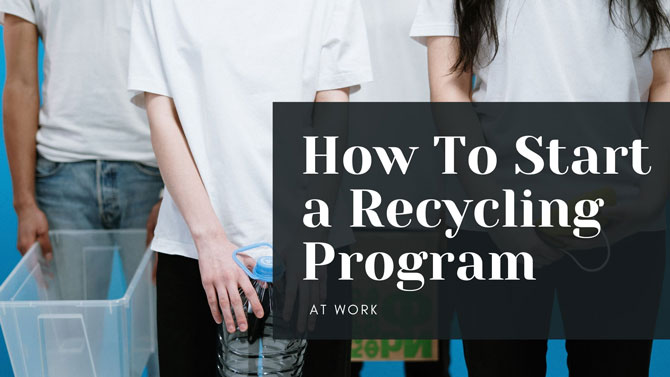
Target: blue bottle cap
[263,269]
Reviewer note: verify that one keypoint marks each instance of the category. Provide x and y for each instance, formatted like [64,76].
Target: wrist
[207,234]
[24,204]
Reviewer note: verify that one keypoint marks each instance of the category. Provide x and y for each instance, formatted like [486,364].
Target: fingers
[238,308]
[248,261]
[150,236]
[303,310]
[24,243]
[27,237]
[291,290]
[323,286]
[552,253]
[252,296]
[151,225]
[540,262]
[154,272]
[323,291]
[152,221]
[223,305]
[213,302]
[315,293]
[546,257]
[613,211]
[574,243]
[45,244]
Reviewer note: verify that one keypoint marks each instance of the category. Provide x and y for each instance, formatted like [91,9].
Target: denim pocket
[47,168]
[147,169]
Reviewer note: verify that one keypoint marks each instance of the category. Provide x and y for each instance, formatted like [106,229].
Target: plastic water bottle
[254,352]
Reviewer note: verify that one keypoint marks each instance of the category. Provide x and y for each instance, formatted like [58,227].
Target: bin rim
[121,301]
[98,231]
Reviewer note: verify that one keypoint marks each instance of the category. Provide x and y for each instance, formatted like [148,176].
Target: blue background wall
[9,256]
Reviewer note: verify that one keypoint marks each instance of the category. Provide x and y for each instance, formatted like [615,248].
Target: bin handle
[242,265]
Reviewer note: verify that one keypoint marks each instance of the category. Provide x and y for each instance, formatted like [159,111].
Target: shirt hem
[47,153]
[419,32]
[662,43]
[172,247]
[16,12]
[345,80]
[138,86]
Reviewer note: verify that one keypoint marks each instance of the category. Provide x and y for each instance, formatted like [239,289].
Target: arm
[627,218]
[221,278]
[449,85]
[21,102]
[654,190]
[335,95]
[446,85]
[331,120]
[660,85]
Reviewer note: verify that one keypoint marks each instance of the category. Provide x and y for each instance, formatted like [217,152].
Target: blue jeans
[96,194]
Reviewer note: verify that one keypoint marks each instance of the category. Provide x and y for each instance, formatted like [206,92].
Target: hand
[616,222]
[627,218]
[307,293]
[222,279]
[33,227]
[526,240]
[154,271]
[152,220]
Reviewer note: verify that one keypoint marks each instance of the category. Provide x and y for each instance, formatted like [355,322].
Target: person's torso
[225,63]
[568,50]
[86,111]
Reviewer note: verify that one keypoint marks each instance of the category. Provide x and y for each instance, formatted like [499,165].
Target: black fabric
[602,302]
[505,358]
[187,333]
[586,358]
[327,358]
[595,358]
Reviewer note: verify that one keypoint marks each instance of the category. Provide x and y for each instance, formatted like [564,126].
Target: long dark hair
[477,21]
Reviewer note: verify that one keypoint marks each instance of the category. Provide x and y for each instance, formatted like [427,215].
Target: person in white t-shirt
[83,159]
[401,75]
[208,74]
[560,51]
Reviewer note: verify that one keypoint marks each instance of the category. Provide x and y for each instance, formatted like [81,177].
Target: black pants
[330,358]
[592,305]
[187,333]
[586,358]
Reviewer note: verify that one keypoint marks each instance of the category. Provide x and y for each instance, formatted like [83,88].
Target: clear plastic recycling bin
[89,311]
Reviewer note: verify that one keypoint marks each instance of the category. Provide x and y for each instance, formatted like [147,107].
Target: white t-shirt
[399,64]
[224,63]
[85,112]
[560,50]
